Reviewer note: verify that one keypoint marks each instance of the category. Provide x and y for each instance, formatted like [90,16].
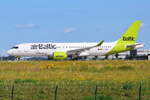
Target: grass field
[76,80]
[120,71]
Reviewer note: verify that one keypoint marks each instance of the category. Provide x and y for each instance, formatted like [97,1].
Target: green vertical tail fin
[128,38]
[131,34]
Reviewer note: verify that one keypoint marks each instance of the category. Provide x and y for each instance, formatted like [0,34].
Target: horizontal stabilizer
[135,46]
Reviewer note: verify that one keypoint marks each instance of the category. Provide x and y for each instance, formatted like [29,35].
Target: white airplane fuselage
[47,49]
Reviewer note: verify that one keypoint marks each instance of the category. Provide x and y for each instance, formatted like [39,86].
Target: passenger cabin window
[15,47]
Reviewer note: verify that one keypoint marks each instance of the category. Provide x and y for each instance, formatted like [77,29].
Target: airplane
[62,51]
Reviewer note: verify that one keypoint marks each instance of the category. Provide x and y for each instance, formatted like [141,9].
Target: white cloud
[69,30]
[26,26]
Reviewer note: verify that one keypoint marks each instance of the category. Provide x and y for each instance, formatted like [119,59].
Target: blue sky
[23,21]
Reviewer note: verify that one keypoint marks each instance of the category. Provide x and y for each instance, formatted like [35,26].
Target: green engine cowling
[60,55]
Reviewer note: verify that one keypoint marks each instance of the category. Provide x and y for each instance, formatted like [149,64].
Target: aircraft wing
[77,51]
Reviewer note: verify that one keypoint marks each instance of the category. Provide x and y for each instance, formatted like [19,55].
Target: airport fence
[73,91]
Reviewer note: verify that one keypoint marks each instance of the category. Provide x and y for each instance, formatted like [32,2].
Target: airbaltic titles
[43,46]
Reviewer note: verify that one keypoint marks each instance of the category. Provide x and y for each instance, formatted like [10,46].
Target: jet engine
[60,55]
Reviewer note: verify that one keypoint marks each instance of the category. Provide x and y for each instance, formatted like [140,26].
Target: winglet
[100,43]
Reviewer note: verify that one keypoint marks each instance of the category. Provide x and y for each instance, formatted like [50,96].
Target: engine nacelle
[60,55]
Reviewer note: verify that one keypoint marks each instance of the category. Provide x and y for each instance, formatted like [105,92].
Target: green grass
[76,80]
[74,90]
[121,71]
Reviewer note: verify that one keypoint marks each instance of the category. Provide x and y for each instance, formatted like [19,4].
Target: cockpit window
[15,47]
